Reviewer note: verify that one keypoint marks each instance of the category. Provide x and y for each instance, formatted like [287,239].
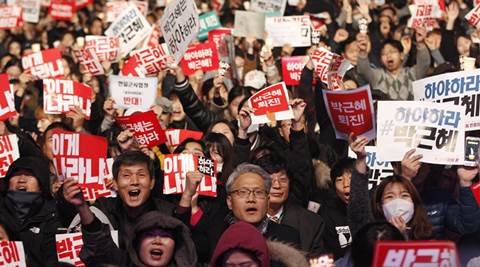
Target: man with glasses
[247,200]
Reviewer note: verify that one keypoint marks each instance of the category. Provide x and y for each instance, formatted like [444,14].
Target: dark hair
[224,148]
[238,91]
[183,145]
[222,260]
[133,157]
[421,227]
[396,44]
[363,245]
[53,125]
[340,167]
[207,86]
[270,161]
[228,123]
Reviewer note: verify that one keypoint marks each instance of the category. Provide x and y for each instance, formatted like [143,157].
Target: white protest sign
[12,254]
[249,24]
[424,13]
[69,245]
[459,88]
[293,30]
[274,7]
[115,8]
[435,130]
[133,91]
[377,169]
[8,152]
[473,17]
[31,10]
[180,25]
[131,28]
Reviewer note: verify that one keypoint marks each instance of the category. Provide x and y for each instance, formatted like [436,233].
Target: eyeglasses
[245,193]
[280,180]
[244,264]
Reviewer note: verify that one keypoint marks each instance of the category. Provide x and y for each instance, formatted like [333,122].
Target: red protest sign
[106,48]
[216,36]
[44,64]
[8,152]
[176,136]
[149,60]
[200,57]
[88,61]
[270,104]
[80,156]
[153,38]
[145,127]
[68,248]
[60,95]
[11,17]
[415,253]
[62,9]
[476,192]
[292,69]
[12,253]
[7,99]
[330,67]
[176,166]
[351,111]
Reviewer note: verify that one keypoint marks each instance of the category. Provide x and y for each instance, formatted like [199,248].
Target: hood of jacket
[322,174]
[39,167]
[286,254]
[245,236]
[184,254]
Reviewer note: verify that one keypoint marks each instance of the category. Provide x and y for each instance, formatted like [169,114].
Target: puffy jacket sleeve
[358,209]
[464,217]
[194,108]
[302,167]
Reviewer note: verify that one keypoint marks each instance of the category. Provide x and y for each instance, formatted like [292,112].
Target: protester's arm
[448,47]
[363,64]
[194,108]
[241,145]
[109,112]
[423,55]
[358,209]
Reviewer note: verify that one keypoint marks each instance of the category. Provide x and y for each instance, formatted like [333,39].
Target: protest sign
[415,253]
[293,30]
[105,188]
[80,156]
[330,67]
[115,8]
[208,21]
[8,152]
[180,25]
[153,37]
[131,28]
[68,247]
[424,13]
[249,24]
[145,127]
[12,253]
[149,60]
[292,69]
[203,56]
[176,166]
[476,192]
[351,111]
[216,36]
[134,92]
[270,104]
[473,17]
[459,88]
[60,95]
[377,170]
[272,7]
[31,10]
[106,48]
[435,130]
[10,17]
[62,9]
[44,64]
[176,136]
[7,98]
[89,61]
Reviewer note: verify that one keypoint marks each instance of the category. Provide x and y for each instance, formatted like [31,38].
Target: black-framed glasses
[245,193]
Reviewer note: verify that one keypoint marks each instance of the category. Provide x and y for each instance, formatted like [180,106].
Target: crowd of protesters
[287,192]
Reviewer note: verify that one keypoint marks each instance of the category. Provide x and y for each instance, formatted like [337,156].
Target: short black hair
[238,91]
[129,158]
[271,162]
[182,145]
[396,44]
[340,167]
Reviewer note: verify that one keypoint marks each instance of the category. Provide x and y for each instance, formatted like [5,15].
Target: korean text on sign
[377,169]
[107,48]
[176,166]
[7,98]
[133,92]
[435,130]
[145,127]
[12,253]
[270,104]
[293,30]
[200,57]
[176,136]
[473,17]
[44,64]
[89,61]
[60,95]
[292,69]
[149,60]
[10,17]
[8,152]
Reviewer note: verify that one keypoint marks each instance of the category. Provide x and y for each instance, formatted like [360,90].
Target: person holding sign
[394,79]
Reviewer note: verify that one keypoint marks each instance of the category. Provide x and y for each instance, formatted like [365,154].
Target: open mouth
[134,193]
[22,188]
[156,253]
[347,195]
[251,210]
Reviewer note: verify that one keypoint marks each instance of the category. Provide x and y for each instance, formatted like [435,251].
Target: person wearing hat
[163,109]
[27,209]
[158,240]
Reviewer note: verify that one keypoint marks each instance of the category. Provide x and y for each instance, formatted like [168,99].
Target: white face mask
[398,208]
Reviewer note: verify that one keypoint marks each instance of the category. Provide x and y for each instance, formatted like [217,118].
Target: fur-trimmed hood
[322,174]
[286,254]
